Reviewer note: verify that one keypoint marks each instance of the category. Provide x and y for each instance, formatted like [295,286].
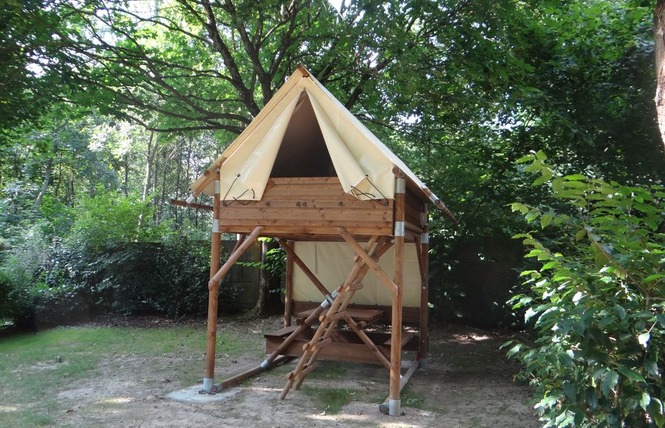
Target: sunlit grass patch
[327,370]
[330,400]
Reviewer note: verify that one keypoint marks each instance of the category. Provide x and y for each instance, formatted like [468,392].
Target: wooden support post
[216,275]
[288,295]
[423,343]
[213,294]
[394,402]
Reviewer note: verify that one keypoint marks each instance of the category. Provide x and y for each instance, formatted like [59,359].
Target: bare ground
[467,383]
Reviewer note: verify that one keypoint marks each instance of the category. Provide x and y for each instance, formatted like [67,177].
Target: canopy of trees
[110,108]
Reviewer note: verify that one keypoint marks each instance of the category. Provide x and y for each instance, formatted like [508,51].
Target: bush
[168,278]
[112,219]
[595,301]
[20,278]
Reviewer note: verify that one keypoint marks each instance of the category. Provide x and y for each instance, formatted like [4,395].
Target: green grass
[34,368]
[330,400]
[329,370]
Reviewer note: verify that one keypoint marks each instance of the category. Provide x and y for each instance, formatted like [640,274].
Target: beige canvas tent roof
[289,120]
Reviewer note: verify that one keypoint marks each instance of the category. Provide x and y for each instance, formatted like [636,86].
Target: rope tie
[237,198]
[357,192]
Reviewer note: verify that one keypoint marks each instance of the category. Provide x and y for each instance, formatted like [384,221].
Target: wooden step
[282,332]
[406,337]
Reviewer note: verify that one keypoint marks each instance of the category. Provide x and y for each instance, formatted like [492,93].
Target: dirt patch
[467,383]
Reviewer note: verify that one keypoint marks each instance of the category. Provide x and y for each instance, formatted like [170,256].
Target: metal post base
[394,407]
[209,386]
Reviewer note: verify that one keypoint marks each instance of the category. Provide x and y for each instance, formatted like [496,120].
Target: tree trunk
[659,37]
[45,184]
[125,186]
[152,149]
[263,282]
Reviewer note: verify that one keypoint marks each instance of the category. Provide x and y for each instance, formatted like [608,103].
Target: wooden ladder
[335,313]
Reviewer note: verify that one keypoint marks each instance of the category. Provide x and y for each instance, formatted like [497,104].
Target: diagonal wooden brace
[233,258]
[297,260]
[369,260]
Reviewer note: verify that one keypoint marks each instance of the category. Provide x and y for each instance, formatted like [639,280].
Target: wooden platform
[346,345]
[307,208]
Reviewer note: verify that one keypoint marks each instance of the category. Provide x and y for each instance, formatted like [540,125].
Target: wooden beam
[394,402]
[361,334]
[423,259]
[385,279]
[186,204]
[410,315]
[288,294]
[297,260]
[221,273]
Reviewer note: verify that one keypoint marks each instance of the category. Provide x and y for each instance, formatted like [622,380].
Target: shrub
[20,278]
[112,219]
[595,301]
[168,278]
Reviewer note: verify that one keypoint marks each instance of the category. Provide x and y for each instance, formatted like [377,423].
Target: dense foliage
[110,108]
[596,300]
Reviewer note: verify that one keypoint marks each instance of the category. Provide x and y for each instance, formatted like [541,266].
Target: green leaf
[557,185]
[575,177]
[536,165]
[575,185]
[652,368]
[569,391]
[645,400]
[654,277]
[581,234]
[545,220]
[541,155]
[631,374]
[532,215]
[620,311]
[609,381]
[522,208]
[540,180]
[525,159]
[514,350]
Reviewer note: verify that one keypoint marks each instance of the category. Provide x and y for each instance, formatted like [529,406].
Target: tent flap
[245,173]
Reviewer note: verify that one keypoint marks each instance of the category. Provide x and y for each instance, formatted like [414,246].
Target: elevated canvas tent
[340,204]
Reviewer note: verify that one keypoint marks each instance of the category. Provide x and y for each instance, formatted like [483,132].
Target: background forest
[111,108]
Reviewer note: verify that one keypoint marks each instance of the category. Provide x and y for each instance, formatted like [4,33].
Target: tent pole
[394,402]
[213,293]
